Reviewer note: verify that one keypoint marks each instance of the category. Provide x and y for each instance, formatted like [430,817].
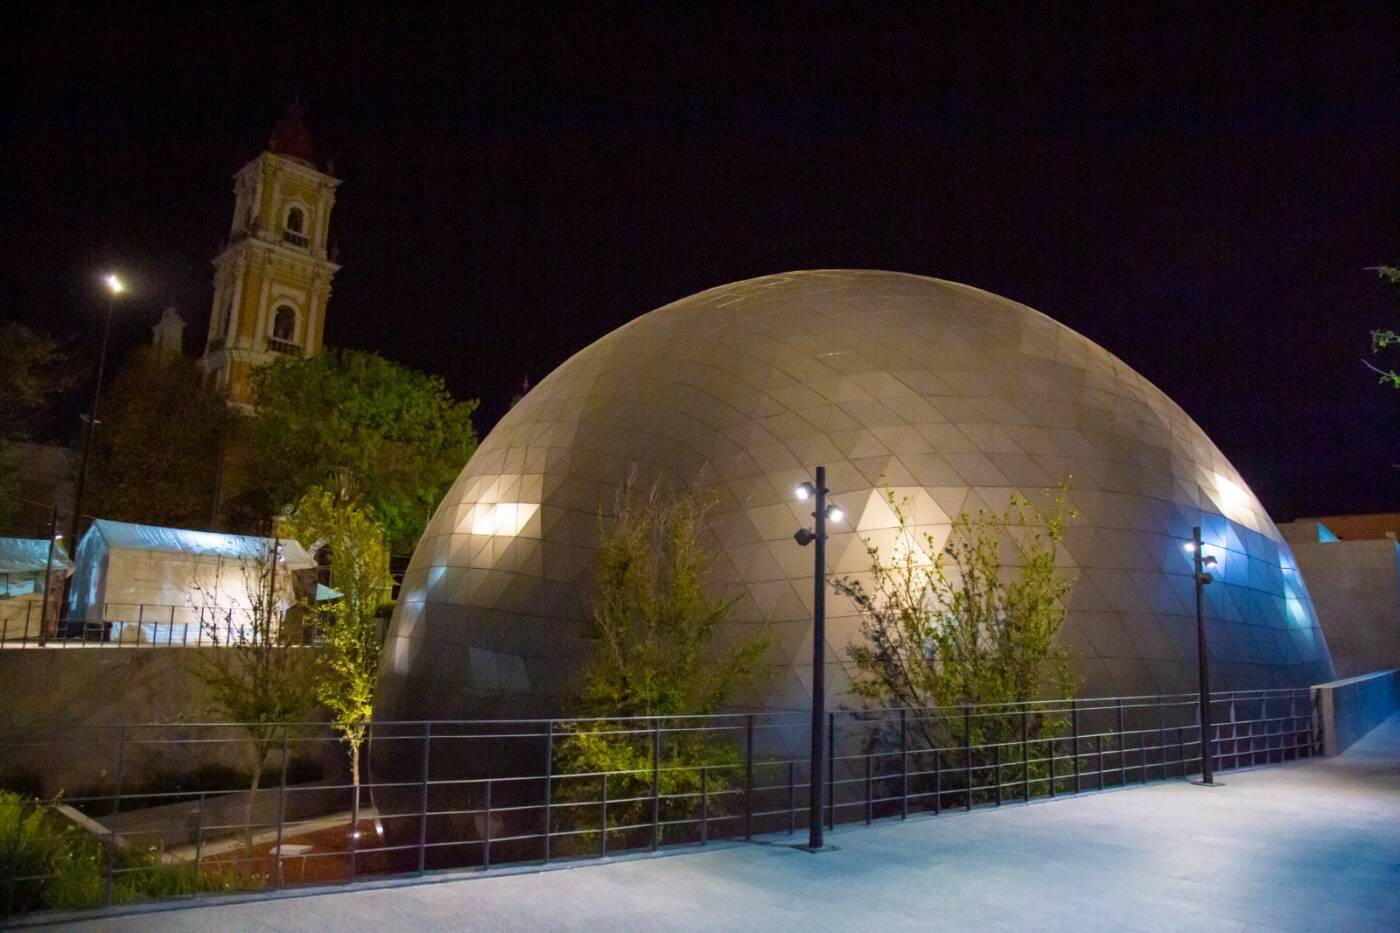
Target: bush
[46,862]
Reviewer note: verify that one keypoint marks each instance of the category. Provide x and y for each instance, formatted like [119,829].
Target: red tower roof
[290,137]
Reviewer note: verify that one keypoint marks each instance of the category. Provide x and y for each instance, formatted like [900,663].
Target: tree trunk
[260,757]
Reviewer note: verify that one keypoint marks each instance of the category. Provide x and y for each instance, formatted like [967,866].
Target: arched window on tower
[284,331]
[294,230]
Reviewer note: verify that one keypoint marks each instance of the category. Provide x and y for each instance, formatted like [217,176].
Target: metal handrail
[750,778]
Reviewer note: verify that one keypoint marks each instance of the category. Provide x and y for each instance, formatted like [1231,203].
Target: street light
[804,536]
[1201,561]
[115,287]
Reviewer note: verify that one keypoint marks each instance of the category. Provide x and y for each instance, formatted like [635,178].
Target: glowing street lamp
[115,287]
[1201,561]
[823,513]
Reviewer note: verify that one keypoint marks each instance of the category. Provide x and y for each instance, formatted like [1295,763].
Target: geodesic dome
[951,396]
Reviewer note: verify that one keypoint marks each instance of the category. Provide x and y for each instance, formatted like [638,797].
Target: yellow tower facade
[272,281]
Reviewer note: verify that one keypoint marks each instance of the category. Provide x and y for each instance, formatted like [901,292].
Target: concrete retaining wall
[1348,709]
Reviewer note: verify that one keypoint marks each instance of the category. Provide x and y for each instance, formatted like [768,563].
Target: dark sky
[1197,187]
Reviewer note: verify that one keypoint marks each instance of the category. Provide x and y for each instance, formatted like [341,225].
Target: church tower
[273,279]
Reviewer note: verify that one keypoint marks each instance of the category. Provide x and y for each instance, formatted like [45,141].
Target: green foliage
[964,626]
[30,375]
[158,442]
[655,626]
[378,434]
[348,662]
[654,620]
[256,678]
[47,862]
[1385,339]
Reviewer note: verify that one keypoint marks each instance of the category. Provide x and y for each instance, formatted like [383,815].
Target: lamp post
[804,537]
[1201,561]
[114,288]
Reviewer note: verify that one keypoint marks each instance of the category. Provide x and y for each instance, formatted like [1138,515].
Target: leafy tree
[957,625]
[157,446]
[348,662]
[373,432]
[655,624]
[962,626]
[255,678]
[30,375]
[1384,339]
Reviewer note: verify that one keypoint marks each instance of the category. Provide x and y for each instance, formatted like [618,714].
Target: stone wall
[72,718]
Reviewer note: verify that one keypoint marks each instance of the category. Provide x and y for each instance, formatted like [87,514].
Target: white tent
[22,565]
[143,583]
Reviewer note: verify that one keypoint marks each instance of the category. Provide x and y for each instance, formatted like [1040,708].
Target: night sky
[1198,190]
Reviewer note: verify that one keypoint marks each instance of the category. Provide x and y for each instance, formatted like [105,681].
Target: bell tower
[272,280]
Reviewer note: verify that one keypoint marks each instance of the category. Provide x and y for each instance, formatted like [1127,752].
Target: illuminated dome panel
[952,396]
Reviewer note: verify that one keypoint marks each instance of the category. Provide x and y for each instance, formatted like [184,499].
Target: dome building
[952,397]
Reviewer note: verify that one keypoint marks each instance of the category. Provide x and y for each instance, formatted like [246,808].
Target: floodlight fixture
[804,491]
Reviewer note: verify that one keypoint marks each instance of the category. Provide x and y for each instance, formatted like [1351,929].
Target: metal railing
[145,625]
[480,793]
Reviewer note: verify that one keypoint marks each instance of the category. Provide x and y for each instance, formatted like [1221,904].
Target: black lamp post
[1201,562]
[804,537]
[114,288]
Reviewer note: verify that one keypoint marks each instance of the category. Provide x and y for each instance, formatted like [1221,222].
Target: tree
[348,662]
[1384,339]
[30,375]
[254,677]
[376,434]
[963,626]
[655,624]
[157,446]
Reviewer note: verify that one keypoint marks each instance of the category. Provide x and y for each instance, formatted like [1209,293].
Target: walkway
[1303,846]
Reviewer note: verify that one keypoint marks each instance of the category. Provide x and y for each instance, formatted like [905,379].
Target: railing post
[967,753]
[996,758]
[1181,749]
[423,814]
[281,809]
[1292,725]
[1234,734]
[549,787]
[869,789]
[1098,758]
[1026,754]
[831,770]
[486,829]
[748,776]
[603,824]
[199,841]
[704,806]
[1051,744]
[1122,746]
[1074,731]
[354,825]
[116,808]
[1162,737]
[655,783]
[792,797]
[903,764]
[937,781]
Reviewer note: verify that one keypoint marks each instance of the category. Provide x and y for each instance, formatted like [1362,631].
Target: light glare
[804,491]
[115,284]
[835,514]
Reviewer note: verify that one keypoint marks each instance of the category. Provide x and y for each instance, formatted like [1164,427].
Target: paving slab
[1313,845]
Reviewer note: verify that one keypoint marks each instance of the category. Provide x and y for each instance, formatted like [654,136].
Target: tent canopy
[130,537]
[31,555]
